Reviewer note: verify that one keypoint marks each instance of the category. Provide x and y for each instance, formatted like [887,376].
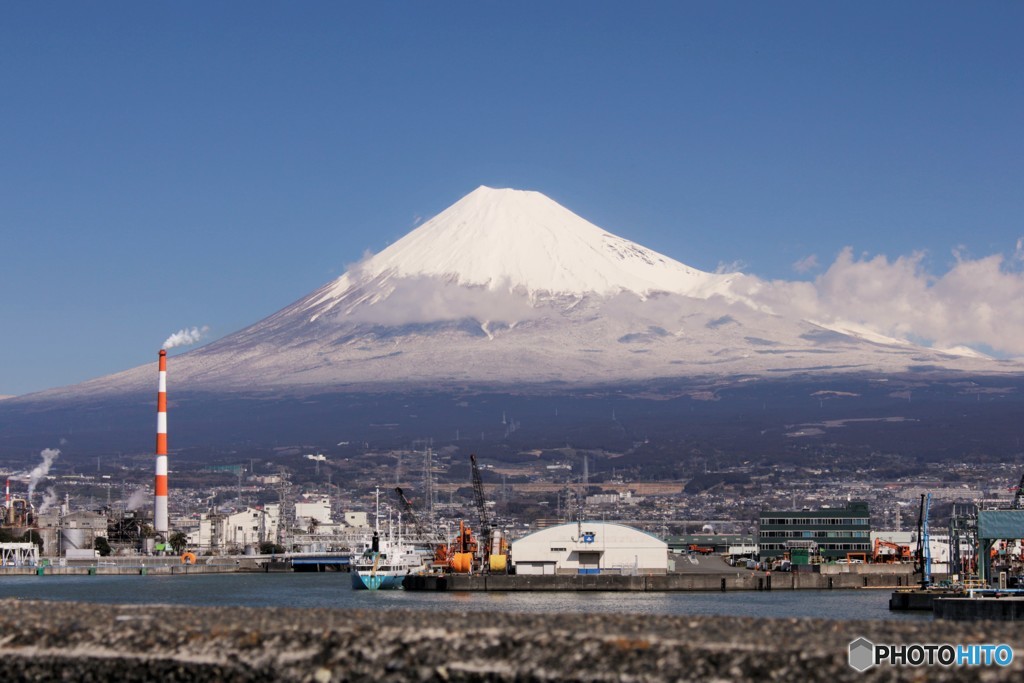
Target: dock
[721,582]
[992,606]
[168,564]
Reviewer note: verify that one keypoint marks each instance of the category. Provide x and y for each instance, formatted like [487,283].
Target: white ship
[386,560]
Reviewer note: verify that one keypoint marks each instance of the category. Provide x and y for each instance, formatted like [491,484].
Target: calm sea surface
[333,590]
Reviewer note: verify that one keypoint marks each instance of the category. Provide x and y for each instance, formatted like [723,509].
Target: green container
[92,571]
[40,571]
[799,556]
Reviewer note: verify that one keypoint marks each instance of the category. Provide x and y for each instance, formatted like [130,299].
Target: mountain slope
[518,241]
[508,287]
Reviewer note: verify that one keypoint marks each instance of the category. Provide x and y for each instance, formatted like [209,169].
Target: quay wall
[46,641]
[987,608]
[154,565]
[740,581]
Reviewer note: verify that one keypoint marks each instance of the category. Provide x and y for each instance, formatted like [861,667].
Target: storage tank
[74,539]
[499,564]
[462,563]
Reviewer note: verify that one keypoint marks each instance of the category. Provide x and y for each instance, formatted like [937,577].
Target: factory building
[231,533]
[833,531]
[359,520]
[313,508]
[72,531]
[590,548]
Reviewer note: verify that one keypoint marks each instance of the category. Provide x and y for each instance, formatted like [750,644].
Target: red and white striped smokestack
[160,488]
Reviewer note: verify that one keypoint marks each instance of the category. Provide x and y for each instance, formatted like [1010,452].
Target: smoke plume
[137,500]
[41,470]
[49,500]
[186,337]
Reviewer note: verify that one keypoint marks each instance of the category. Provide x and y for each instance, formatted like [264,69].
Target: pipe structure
[160,487]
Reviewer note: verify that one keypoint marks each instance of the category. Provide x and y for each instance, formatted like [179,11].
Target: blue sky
[164,165]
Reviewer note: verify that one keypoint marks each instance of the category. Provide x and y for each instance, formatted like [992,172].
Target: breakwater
[172,564]
[142,570]
[74,641]
[135,566]
[737,581]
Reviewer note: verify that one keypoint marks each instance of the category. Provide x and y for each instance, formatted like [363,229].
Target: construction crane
[442,551]
[484,533]
[407,509]
[923,556]
[899,553]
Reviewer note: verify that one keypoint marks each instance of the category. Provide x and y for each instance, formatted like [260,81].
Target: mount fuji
[507,287]
[507,300]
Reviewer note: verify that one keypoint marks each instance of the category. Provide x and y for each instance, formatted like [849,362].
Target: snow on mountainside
[513,240]
[508,287]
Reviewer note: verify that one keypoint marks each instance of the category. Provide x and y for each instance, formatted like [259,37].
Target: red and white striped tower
[160,488]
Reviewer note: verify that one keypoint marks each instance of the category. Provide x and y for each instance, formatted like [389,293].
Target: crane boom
[1018,498]
[481,505]
[407,509]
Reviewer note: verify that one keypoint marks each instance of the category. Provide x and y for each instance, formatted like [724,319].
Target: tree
[271,548]
[177,540]
[103,546]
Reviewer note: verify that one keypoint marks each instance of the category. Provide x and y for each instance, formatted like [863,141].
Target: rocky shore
[43,641]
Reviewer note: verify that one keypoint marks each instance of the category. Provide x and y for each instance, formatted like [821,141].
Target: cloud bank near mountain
[976,303]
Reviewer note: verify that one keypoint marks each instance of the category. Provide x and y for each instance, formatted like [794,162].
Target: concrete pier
[44,641]
[988,608]
[734,581]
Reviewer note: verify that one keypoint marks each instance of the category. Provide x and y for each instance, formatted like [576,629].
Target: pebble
[45,641]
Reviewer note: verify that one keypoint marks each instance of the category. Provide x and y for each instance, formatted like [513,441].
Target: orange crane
[492,547]
[900,553]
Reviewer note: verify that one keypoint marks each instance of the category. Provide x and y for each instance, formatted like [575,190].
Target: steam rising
[137,500]
[186,337]
[49,500]
[42,469]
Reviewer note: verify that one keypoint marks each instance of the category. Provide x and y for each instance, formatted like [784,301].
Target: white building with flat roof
[232,532]
[590,548]
[313,507]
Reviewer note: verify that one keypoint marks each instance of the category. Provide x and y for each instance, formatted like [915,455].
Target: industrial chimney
[160,488]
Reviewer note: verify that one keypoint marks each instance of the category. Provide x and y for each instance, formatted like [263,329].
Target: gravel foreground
[45,641]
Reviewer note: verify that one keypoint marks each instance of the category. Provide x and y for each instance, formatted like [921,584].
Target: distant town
[304,501]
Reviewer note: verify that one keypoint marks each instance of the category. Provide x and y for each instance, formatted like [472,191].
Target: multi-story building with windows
[833,532]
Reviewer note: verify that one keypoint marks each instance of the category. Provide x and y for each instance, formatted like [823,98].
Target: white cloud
[731,267]
[977,302]
[806,264]
[428,299]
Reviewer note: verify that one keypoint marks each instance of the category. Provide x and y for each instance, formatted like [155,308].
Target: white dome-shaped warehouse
[590,548]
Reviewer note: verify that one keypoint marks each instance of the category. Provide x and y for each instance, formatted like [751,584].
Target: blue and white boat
[386,560]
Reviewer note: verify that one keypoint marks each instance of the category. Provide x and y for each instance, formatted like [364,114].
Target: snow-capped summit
[506,287]
[522,241]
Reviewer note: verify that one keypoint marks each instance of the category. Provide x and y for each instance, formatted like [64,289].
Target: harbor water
[333,590]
